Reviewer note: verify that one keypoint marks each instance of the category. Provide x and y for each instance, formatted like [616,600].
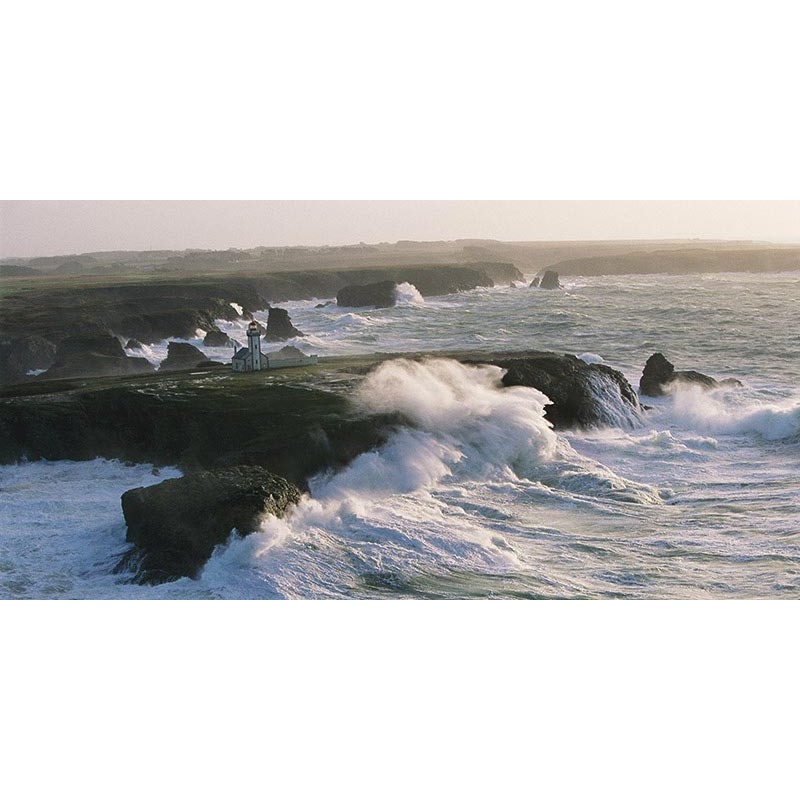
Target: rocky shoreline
[84,320]
[278,428]
[247,443]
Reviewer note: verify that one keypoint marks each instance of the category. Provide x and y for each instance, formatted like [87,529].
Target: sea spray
[383,505]
[406,294]
[393,510]
[730,529]
[732,412]
[62,530]
[499,431]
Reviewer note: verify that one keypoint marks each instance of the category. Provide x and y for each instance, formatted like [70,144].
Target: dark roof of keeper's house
[241,354]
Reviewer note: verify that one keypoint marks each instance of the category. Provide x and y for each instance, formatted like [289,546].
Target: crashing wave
[406,294]
[720,412]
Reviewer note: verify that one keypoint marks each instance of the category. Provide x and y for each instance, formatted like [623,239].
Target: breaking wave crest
[728,412]
[391,511]
[406,294]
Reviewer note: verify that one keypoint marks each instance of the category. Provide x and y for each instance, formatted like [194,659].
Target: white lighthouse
[254,345]
[249,359]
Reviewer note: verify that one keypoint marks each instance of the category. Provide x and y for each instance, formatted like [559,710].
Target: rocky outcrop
[580,394]
[155,326]
[498,271]
[20,356]
[148,311]
[134,344]
[659,374]
[216,338]
[183,419]
[549,280]
[379,295]
[181,355]
[176,524]
[94,355]
[279,326]
[169,308]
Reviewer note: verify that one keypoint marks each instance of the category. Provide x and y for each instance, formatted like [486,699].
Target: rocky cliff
[175,525]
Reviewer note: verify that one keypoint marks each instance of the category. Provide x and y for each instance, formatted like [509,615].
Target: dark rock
[324,305]
[497,271]
[534,283]
[189,422]
[437,281]
[94,356]
[216,338]
[580,394]
[178,523]
[147,311]
[175,308]
[20,356]
[134,344]
[279,326]
[549,280]
[31,352]
[181,355]
[155,326]
[379,295]
[659,373]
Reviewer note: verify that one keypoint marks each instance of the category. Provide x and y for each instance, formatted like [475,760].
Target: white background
[434,100]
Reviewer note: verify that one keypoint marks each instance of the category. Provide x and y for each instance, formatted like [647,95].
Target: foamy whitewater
[479,497]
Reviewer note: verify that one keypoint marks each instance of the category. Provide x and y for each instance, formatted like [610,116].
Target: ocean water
[696,498]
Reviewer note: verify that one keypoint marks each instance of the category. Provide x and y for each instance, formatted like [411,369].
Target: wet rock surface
[580,394]
[181,355]
[175,525]
[279,326]
[378,295]
[93,356]
[216,338]
[548,280]
[20,356]
[659,374]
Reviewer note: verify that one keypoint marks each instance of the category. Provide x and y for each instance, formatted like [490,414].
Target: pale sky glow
[57,227]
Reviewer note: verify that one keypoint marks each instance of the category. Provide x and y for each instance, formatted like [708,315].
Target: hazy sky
[55,227]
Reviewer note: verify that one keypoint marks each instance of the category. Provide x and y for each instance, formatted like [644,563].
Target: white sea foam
[612,408]
[351,320]
[592,358]
[62,529]
[393,508]
[449,500]
[725,411]
[666,440]
[406,294]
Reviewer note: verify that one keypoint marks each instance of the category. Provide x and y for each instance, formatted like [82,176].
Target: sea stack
[549,280]
[659,373]
[182,355]
[279,326]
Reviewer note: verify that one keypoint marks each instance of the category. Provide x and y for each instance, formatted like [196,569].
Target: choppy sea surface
[699,498]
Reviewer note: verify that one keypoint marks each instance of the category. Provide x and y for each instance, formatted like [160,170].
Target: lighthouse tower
[254,345]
